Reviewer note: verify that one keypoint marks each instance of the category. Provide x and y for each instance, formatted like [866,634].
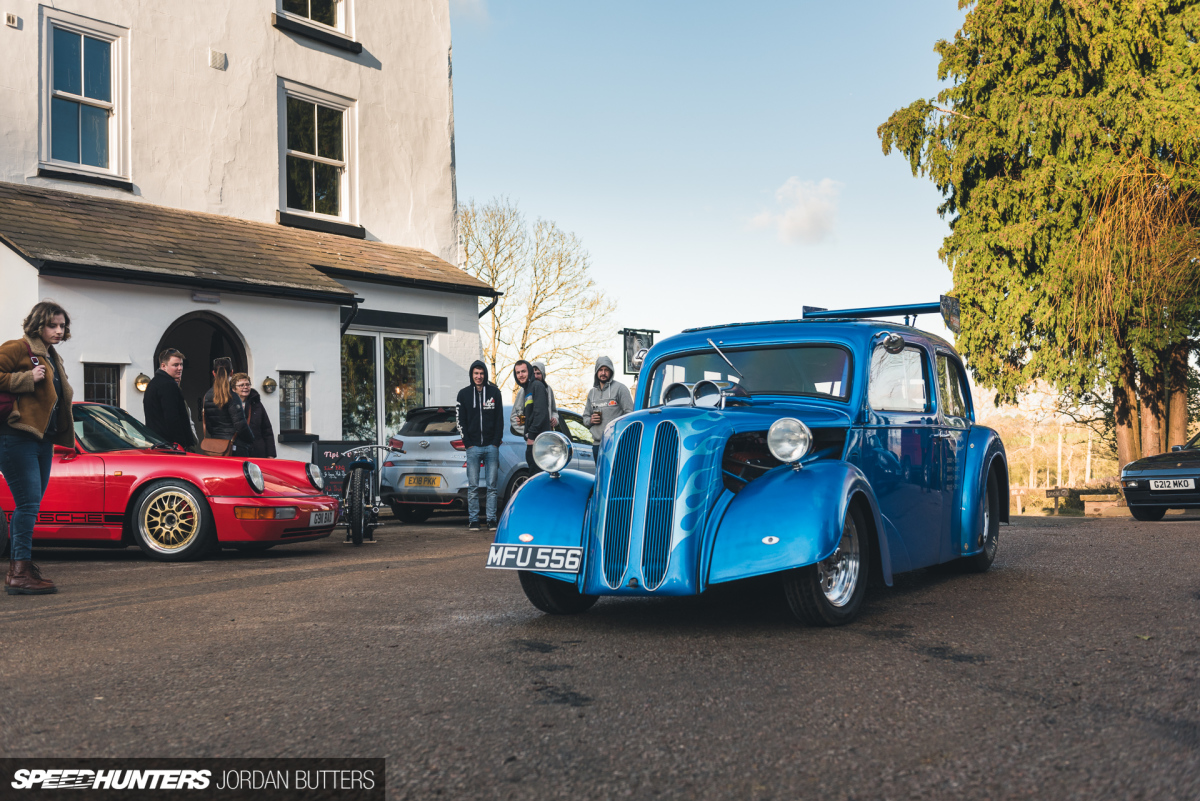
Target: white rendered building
[271,181]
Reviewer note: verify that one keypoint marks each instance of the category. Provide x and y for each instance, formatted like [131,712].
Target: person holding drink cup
[607,400]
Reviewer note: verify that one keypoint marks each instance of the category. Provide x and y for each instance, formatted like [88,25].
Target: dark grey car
[431,473]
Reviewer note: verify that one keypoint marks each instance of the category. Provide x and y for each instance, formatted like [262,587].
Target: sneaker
[491,525]
[473,525]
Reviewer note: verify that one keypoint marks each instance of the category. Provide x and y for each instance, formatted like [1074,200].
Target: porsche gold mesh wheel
[172,522]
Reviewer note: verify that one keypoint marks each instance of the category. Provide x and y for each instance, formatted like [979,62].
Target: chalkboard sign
[330,457]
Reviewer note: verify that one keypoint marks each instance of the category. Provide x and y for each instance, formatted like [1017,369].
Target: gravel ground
[1067,672]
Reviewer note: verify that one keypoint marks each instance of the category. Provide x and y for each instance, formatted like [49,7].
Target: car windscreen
[429,423]
[822,370]
[106,428]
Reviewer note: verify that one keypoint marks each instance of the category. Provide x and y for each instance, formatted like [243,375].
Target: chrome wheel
[838,575]
[169,519]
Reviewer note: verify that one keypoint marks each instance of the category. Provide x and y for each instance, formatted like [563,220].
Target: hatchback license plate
[1172,483]
[324,518]
[422,481]
[546,558]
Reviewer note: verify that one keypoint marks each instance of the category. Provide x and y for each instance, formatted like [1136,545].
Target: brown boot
[24,578]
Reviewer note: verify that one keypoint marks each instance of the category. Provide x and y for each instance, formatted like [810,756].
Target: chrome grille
[660,509]
[619,515]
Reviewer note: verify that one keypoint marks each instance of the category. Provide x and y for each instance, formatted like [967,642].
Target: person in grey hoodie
[606,401]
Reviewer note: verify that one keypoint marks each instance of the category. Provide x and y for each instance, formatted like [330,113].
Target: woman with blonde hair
[223,419]
[35,415]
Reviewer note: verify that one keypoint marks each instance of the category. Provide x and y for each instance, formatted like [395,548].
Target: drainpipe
[491,305]
[353,313]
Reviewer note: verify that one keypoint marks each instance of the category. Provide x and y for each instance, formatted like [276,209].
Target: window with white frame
[83,117]
[316,159]
[326,12]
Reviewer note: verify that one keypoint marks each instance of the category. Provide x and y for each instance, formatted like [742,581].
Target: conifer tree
[1067,127]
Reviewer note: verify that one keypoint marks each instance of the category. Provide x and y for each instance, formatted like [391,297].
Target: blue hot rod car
[827,451]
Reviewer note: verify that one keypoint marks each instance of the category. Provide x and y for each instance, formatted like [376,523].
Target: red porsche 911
[123,484]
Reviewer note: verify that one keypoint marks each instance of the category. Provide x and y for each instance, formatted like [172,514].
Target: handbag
[215,446]
[9,399]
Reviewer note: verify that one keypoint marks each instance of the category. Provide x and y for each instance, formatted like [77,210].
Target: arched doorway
[201,336]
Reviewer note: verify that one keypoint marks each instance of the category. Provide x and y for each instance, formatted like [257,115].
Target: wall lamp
[268,385]
[141,382]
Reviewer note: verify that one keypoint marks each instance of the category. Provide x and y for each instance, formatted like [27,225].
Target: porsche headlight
[551,451]
[315,476]
[789,439]
[254,476]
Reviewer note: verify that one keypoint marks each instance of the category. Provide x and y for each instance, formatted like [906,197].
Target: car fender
[984,449]
[548,510]
[791,518]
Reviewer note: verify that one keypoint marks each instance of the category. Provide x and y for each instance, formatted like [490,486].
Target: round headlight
[551,451]
[315,476]
[789,439]
[254,476]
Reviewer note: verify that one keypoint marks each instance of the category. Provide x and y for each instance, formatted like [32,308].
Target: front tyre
[831,592]
[552,596]
[172,522]
[989,533]
[356,511]
[1148,514]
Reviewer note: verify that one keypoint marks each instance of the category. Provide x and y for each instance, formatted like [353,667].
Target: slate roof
[64,233]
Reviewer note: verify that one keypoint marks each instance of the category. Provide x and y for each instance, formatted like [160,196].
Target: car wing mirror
[1176,448]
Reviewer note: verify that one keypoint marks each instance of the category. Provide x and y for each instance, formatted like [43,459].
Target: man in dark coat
[165,410]
[536,411]
[479,415]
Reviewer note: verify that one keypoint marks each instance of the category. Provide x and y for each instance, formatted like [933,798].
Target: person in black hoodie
[166,412]
[479,414]
[536,411]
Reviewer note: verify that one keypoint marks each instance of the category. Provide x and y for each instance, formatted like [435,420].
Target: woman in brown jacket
[32,372]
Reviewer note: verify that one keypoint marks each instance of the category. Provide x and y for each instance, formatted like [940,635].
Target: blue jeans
[490,456]
[25,463]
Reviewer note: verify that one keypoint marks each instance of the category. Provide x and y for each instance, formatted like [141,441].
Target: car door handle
[944,434]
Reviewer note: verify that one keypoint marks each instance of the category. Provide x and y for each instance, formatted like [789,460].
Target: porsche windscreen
[799,370]
[104,428]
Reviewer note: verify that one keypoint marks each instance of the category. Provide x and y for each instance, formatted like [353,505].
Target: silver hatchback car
[426,468]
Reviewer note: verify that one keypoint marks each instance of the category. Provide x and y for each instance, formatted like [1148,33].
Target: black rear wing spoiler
[948,307]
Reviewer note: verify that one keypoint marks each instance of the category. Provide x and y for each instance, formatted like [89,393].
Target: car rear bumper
[230,528]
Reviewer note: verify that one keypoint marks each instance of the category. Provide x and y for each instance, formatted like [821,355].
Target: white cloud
[470,9]
[809,210]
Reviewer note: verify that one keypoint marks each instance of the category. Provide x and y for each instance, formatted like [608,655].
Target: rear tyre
[1148,514]
[830,592]
[989,533]
[172,522]
[411,513]
[552,596]
[356,512]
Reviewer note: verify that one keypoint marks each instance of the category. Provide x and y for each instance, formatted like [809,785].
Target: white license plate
[321,518]
[1172,483]
[544,558]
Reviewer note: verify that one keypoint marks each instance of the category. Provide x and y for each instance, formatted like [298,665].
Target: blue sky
[718,160]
